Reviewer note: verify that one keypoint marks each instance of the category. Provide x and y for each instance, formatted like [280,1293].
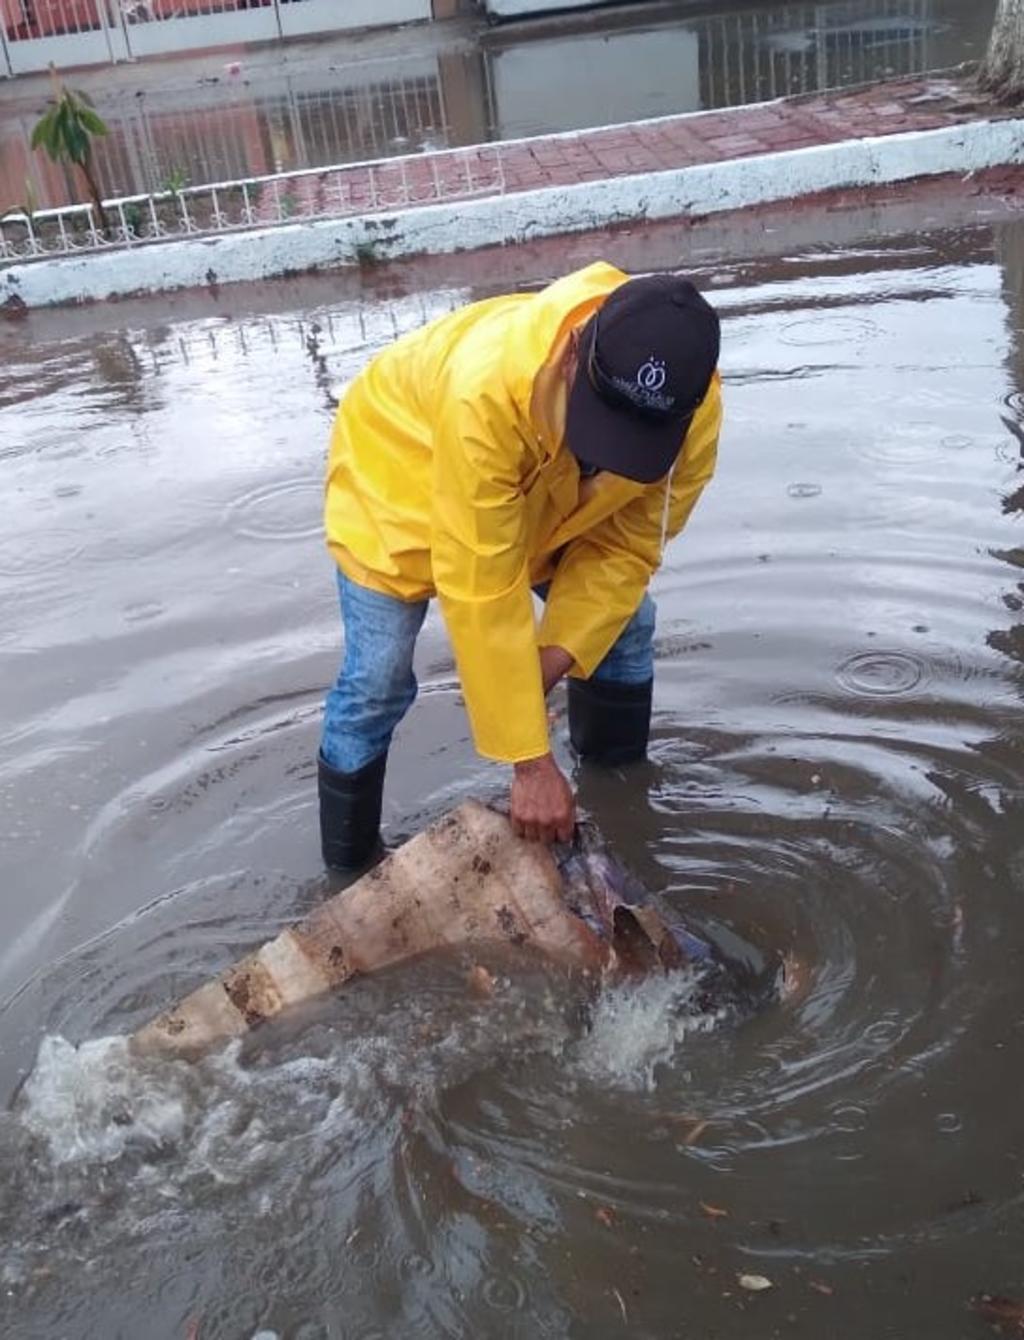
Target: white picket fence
[336,192]
[94,32]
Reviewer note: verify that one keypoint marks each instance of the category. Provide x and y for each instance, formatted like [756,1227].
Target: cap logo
[651,375]
[644,391]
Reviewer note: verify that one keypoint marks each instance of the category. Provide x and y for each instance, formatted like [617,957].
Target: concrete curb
[466,225]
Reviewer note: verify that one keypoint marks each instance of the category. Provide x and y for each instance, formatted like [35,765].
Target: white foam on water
[638,1027]
[224,1116]
[232,1113]
[89,1102]
[97,1102]
[137,1149]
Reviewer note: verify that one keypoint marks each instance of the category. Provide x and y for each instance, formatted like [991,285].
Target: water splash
[91,1103]
[637,1028]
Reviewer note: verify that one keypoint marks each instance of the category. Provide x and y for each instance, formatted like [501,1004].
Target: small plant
[175,181]
[65,133]
[133,220]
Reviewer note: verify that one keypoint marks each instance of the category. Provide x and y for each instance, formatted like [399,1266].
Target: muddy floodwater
[837,771]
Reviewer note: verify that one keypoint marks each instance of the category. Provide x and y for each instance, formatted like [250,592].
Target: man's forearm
[555,664]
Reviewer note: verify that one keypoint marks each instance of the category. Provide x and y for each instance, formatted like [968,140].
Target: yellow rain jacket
[444,478]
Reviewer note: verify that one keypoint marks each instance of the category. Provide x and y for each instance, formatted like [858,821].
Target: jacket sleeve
[602,576]
[481,574]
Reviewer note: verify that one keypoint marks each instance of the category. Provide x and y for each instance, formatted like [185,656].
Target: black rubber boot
[350,812]
[609,723]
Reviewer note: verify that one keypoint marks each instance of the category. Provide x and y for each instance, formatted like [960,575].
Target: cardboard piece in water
[465,881]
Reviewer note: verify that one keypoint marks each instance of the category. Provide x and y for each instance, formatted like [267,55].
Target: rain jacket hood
[447,476]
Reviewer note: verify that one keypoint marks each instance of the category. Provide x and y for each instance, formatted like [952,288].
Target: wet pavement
[837,770]
[234,115]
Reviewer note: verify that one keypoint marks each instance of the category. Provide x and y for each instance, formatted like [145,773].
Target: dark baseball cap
[646,359]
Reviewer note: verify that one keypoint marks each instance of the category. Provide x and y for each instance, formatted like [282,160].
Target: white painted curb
[465,225]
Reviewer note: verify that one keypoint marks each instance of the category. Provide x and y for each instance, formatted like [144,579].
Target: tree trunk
[86,170]
[1002,71]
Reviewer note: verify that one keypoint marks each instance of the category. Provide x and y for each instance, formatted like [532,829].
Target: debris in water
[622,1306]
[755,1283]
[695,1132]
[481,982]
[467,880]
[713,1211]
[819,1286]
[56,1214]
[967,1201]
[998,1310]
[604,1214]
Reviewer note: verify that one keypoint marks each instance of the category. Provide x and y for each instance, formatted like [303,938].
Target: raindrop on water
[827,329]
[415,1263]
[139,613]
[46,551]
[880,674]
[288,510]
[883,1033]
[803,490]
[504,1293]
[849,1117]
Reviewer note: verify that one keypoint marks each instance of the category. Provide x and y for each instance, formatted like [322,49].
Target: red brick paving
[921,103]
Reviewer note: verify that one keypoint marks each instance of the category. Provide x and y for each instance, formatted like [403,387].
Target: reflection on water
[523,79]
[837,770]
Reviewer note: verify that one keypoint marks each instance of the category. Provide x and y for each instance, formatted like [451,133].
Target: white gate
[93,32]
[299,17]
[155,27]
[67,32]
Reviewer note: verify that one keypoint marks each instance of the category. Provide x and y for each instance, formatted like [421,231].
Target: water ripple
[287,510]
[827,329]
[41,554]
[881,674]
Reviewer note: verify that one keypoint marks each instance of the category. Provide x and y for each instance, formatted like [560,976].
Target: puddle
[836,769]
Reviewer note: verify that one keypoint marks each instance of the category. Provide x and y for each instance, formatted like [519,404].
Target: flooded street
[837,771]
[242,113]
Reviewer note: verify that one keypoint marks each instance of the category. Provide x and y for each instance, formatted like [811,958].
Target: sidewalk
[679,167]
[575,157]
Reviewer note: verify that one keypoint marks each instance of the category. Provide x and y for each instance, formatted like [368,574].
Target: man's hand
[543,806]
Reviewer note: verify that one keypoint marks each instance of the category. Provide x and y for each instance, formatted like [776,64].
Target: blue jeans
[376,685]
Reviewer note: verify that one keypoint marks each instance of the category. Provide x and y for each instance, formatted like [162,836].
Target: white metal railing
[758,54]
[234,135]
[315,193]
